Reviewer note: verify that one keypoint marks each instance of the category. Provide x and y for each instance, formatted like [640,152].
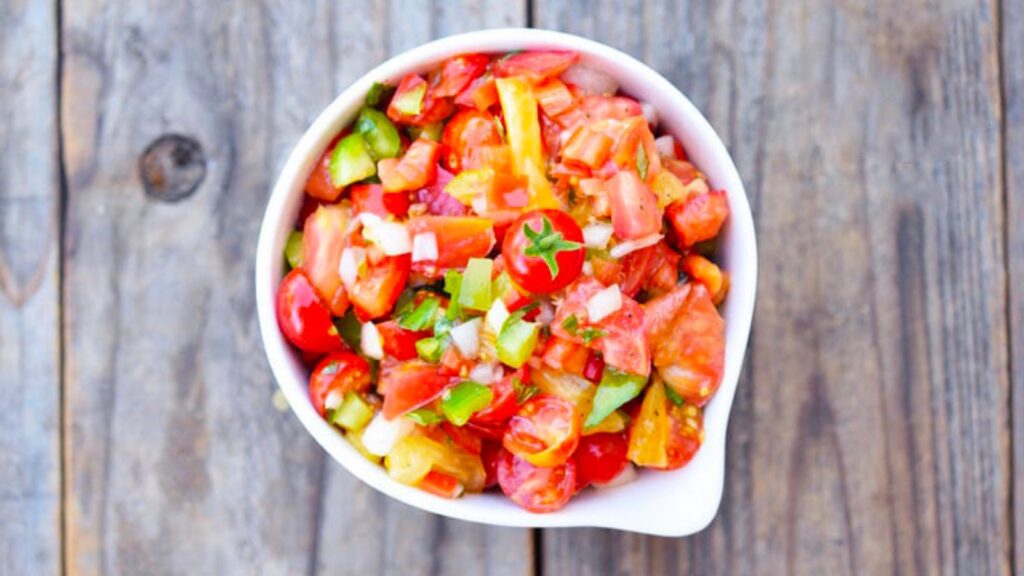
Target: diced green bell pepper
[430,349]
[293,249]
[380,133]
[467,398]
[475,290]
[350,329]
[516,342]
[421,317]
[424,416]
[616,388]
[353,414]
[351,161]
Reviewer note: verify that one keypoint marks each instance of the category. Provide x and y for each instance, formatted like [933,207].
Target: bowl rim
[488,509]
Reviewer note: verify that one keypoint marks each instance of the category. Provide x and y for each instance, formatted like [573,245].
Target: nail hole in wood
[172,167]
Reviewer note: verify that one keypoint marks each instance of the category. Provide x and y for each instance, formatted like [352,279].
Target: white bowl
[673,503]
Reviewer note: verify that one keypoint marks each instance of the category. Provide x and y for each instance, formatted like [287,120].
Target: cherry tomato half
[409,385]
[374,294]
[341,372]
[398,342]
[543,250]
[544,432]
[504,403]
[535,488]
[304,317]
[600,458]
[466,131]
[323,240]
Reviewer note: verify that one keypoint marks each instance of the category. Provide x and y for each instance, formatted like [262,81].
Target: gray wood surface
[30,539]
[877,424]
[870,433]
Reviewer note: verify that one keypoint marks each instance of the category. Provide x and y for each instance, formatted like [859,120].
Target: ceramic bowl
[672,503]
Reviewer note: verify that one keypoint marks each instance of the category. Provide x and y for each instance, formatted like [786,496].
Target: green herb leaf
[521,312]
[571,324]
[422,316]
[523,391]
[641,161]
[546,244]
[424,417]
[673,396]
[591,334]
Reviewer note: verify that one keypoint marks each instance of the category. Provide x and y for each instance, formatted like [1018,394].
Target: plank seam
[61,210]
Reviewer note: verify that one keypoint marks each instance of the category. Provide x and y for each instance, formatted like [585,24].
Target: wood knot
[172,167]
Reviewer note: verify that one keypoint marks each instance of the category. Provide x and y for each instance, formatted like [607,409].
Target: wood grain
[179,464]
[1012,16]
[871,435]
[30,537]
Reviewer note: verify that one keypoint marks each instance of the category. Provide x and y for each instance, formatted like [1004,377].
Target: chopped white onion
[382,434]
[466,337]
[588,268]
[650,113]
[627,475]
[545,311]
[424,247]
[369,341]
[363,219]
[596,235]
[623,248]
[604,303]
[479,205]
[666,146]
[496,316]
[590,80]
[393,238]
[352,260]
[486,373]
[333,400]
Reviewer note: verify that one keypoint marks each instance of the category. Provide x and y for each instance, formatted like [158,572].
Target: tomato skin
[504,403]
[416,169]
[481,94]
[464,438]
[531,272]
[457,73]
[323,240]
[535,488]
[598,107]
[466,131]
[409,385]
[544,432]
[459,238]
[688,337]
[342,372]
[600,458]
[438,201]
[594,368]
[699,217]
[398,342]
[536,66]
[319,185]
[686,434]
[372,198]
[635,211]
[374,294]
[565,356]
[490,453]
[303,316]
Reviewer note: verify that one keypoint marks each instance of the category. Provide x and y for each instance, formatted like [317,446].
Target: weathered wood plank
[361,531]
[871,435]
[177,461]
[30,534]
[1012,70]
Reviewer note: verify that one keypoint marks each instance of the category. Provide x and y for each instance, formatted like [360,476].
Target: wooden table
[875,424]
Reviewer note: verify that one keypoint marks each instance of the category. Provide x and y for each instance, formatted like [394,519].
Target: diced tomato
[707,273]
[597,107]
[441,484]
[535,488]
[437,200]
[323,241]
[698,218]
[554,98]
[459,238]
[496,157]
[416,169]
[453,363]
[309,206]
[688,337]
[588,147]
[372,198]
[464,438]
[304,317]
[409,385]
[654,269]
[594,368]
[319,185]
[480,94]
[635,211]
[338,373]
[409,98]
[683,170]
[544,432]
[373,295]
[686,433]
[398,342]
[600,458]
[466,131]
[504,403]
[490,453]
[565,355]
[457,72]
[536,66]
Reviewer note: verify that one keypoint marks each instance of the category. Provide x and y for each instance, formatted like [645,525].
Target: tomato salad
[503,275]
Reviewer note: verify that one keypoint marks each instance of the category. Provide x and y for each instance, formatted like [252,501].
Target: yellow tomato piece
[668,188]
[615,422]
[470,184]
[575,389]
[648,439]
[522,128]
[414,456]
[356,439]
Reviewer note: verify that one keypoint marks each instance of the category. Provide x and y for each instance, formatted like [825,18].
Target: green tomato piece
[380,133]
[293,249]
[616,388]
[351,161]
[516,342]
[410,103]
[475,290]
[353,414]
[467,398]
